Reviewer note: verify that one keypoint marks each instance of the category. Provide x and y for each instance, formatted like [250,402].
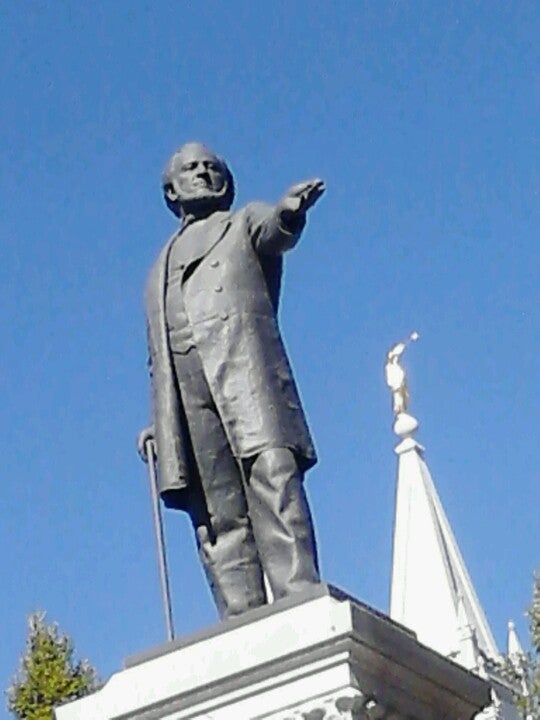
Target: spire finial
[396,379]
[514,648]
[517,658]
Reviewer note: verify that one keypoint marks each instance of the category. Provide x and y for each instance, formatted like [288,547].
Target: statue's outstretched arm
[280,228]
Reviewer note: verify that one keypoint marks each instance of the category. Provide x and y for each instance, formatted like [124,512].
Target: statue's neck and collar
[190,219]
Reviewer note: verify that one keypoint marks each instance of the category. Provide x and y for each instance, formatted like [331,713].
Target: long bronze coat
[232,269]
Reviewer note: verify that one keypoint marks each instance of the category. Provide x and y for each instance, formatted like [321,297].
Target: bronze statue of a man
[231,438]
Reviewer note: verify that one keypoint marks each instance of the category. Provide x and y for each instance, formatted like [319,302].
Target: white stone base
[319,656]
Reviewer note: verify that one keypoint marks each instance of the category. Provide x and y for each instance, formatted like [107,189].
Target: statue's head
[197,182]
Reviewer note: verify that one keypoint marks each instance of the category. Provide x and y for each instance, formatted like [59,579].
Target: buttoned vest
[178,327]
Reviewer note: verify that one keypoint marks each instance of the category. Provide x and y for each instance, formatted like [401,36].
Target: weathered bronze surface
[230,434]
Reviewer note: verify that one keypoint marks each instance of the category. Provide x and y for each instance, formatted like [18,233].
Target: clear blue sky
[422,117]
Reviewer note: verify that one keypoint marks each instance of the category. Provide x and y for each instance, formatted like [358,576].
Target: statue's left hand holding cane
[146,446]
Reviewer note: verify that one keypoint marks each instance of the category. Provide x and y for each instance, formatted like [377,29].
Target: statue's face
[199,175]
[200,181]
[197,183]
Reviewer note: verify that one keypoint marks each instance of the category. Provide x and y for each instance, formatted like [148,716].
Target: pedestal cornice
[317,656]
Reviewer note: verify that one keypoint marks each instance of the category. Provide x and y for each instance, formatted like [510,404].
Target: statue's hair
[172,168]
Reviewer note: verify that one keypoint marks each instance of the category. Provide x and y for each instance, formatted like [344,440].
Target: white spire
[514,649]
[517,657]
[431,591]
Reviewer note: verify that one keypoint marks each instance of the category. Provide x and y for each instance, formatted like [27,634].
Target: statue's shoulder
[257,208]
[157,269]
[254,213]
[164,252]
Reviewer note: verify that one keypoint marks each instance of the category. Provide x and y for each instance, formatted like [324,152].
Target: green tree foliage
[526,669]
[535,616]
[533,660]
[48,674]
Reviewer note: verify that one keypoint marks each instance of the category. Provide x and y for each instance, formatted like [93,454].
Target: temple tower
[431,590]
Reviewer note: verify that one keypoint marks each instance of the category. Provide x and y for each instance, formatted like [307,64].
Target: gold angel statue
[396,378]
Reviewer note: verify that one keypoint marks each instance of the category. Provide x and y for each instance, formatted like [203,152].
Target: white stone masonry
[319,656]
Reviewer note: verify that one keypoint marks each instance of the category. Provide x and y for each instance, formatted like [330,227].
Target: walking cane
[149,448]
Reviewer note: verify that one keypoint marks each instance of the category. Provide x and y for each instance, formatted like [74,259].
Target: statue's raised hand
[298,199]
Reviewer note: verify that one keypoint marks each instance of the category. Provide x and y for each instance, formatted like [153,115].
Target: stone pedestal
[316,656]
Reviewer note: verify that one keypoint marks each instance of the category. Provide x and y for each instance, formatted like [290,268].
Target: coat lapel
[200,239]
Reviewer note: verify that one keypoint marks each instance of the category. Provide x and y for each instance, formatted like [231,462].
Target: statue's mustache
[210,191]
